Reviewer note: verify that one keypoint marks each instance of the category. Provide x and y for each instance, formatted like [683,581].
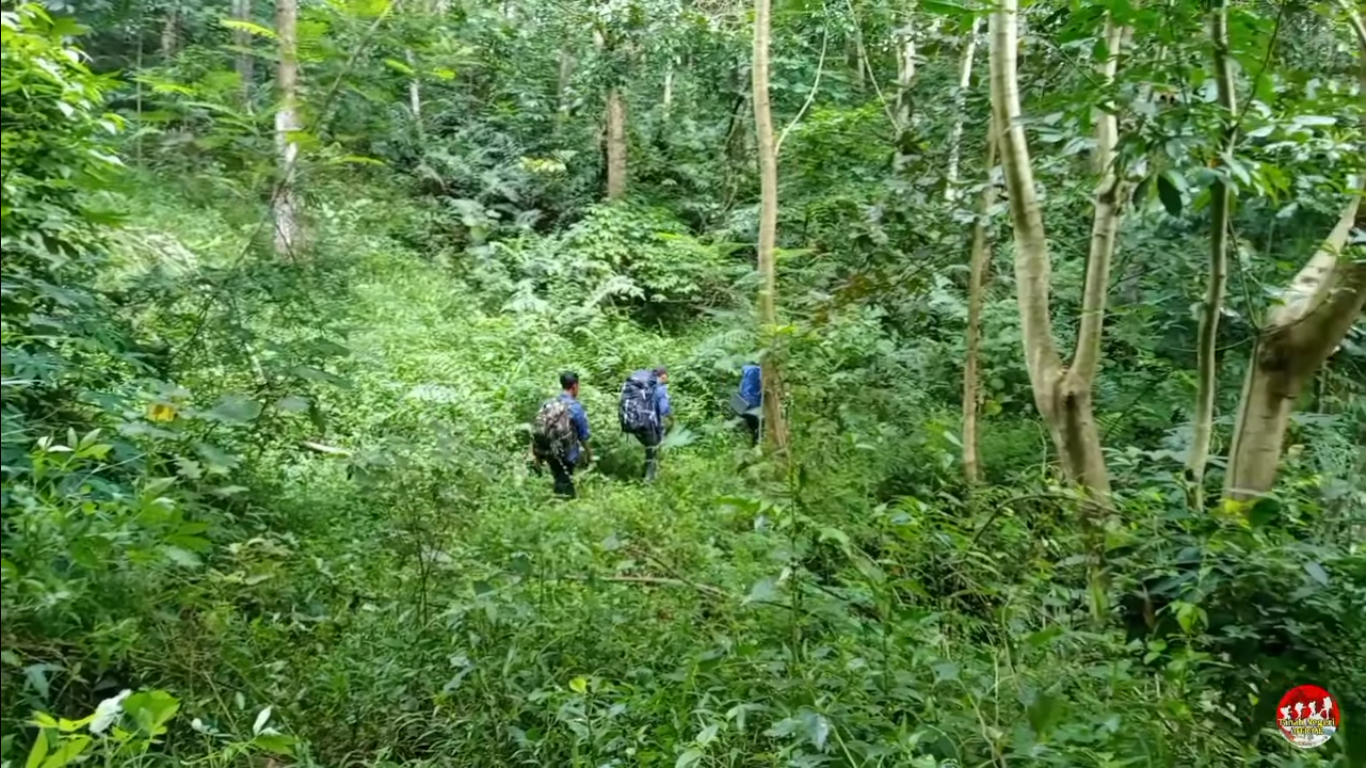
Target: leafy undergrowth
[392,581]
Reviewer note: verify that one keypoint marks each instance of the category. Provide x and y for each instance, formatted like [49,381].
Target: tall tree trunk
[170,34]
[855,58]
[776,426]
[959,110]
[1061,393]
[1221,203]
[286,199]
[905,77]
[414,94]
[616,144]
[566,73]
[246,65]
[1315,312]
[668,100]
[904,117]
[615,129]
[1318,308]
[978,262]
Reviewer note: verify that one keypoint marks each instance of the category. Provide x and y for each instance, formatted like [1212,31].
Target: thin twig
[863,58]
[1266,60]
[810,97]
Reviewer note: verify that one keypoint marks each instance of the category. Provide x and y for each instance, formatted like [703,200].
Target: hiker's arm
[666,411]
[582,431]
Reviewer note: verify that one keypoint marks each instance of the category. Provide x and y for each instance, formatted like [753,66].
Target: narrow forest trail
[441,394]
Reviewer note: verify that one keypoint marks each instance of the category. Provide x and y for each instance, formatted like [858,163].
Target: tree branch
[810,97]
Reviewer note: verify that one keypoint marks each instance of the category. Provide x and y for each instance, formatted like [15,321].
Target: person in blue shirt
[563,470]
[664,419]
[751,397]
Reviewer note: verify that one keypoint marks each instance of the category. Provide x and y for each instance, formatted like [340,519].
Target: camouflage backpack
[553,432]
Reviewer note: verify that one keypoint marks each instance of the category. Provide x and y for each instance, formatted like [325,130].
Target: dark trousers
[563,473]
[752,424]
[650,438]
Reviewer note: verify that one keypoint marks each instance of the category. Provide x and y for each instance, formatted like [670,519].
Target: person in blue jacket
[752,397]
[664,414]
[562,466]
[646,413]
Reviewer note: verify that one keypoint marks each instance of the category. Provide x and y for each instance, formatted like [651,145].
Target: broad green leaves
[1170,186]
[249,27]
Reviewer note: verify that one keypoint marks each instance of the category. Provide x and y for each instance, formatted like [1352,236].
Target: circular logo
[1308,716]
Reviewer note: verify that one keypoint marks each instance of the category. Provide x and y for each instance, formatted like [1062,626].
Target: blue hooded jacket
[752,386]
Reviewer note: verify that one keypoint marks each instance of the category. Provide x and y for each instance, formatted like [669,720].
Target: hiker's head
[569,381]
[661,374]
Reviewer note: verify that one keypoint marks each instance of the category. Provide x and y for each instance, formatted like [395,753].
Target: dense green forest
[1057,306]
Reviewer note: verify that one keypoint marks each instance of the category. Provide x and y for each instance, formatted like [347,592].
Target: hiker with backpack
[747,401]
[646,413]
[559,436]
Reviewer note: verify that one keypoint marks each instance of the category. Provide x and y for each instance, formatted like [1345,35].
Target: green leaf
[688,758]
[355,160]
[185,540]
[763,590]
[579,684]
[181,556]
[293,404]
[38,753]
[678,437]
[1189,615]
[817,729]
[1045,713]
[250,27]
[1141,190]
[1169,193]
[945,670]
[36,674]
[323,377]
[1263,512]
[219,460]
[275,743]
[236,409]
[400,67]
[836,535]
[1316,573]
[944,8]
[71,748]
[151,710]
[1044,636]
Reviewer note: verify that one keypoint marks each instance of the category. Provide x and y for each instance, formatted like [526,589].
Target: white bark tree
[615,129]
[1221,204]
[959,107]
[775,426]
[978,261]
[285,202]
[1062,393]
[1316,310]
[245,64]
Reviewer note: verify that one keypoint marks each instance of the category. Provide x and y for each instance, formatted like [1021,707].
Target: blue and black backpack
[637,411]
